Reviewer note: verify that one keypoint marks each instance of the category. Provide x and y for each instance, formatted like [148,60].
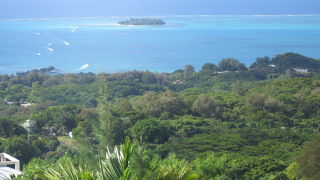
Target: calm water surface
[99,45]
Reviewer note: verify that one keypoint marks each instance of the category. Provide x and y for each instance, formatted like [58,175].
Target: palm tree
[119,165]
[116,164]
[69,172]
[114,167]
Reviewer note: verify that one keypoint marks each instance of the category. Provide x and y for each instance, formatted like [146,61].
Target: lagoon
[100,45]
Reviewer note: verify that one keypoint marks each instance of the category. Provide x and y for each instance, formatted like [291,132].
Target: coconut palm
[119,165]
[116,164]
[69,172]
[114,167]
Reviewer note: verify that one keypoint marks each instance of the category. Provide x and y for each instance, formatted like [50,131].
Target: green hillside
[225,121]
[293,60]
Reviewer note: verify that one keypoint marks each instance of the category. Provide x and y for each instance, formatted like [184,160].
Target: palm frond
[116,164]
[69,172]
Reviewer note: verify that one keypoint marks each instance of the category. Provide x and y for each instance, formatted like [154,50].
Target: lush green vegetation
[226,121]
[142,21]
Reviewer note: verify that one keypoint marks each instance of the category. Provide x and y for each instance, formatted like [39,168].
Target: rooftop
[6,162]
[6,172]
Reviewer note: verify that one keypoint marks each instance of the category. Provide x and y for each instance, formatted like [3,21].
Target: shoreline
[119,25]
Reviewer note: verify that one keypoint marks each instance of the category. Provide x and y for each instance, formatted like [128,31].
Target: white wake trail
[83,67]
[59,39]
[74,30]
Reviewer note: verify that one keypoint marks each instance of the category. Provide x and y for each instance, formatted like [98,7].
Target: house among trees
[9,166]
[9,102]
[29,125]
[301,70]
[26,104]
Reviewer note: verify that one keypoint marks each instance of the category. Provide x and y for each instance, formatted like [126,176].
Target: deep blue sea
[99,45]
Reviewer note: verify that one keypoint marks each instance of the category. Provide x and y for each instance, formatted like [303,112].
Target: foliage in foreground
[118,165]
[224,122]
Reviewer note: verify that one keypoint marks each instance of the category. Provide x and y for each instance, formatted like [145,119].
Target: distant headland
[142,21]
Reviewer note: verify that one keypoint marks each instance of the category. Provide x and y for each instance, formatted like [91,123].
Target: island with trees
[142,22]
[225,121]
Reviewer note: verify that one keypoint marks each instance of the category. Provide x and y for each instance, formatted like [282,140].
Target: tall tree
[230,64]
[204,106]
[109,129]
[309,160]
[104,129]
[189,72]
[208,67]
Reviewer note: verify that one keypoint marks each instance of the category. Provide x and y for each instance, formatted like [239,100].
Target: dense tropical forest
[225,121]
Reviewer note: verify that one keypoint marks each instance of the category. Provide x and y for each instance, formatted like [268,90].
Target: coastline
[117,24]
[103,41]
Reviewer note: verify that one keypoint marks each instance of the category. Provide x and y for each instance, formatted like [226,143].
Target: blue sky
[93,8]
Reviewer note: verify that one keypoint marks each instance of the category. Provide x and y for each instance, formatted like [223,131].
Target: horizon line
[175,15]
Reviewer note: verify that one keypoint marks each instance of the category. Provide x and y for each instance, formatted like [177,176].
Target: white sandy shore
[114,24]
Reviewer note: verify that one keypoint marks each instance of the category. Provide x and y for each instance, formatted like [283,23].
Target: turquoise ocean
[100,45]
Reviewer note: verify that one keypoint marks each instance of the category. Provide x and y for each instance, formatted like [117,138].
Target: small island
[142,21]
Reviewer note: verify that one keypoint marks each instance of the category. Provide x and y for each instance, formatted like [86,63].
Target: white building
[25,105]
[29,125]
[301,70]
[7,163]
